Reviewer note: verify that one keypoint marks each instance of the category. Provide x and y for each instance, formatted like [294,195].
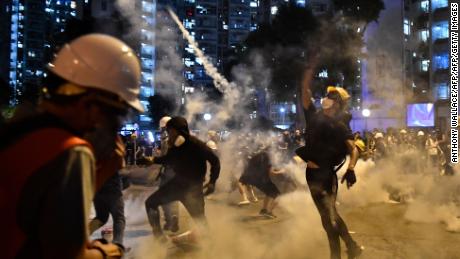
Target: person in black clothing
[328,140]
[257,173]
[109,200]
[187,156]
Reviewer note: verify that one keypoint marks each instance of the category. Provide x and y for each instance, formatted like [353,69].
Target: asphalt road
[237,232]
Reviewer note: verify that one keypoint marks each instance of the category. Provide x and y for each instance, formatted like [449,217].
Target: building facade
[426,54]
[28,38]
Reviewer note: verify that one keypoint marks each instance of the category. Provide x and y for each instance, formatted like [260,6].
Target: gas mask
[179,141]
[326,103]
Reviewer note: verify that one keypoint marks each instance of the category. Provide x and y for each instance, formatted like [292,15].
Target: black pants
[189,194]
[113,204]
[323,188]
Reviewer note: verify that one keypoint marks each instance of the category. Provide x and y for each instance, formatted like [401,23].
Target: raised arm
[307,80]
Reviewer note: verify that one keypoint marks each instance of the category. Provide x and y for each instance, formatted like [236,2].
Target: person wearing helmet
[92,83]
[170,210]
[341,96]
[327,142]
[187,155]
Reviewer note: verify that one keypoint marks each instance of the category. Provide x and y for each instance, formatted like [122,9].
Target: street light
[366,113]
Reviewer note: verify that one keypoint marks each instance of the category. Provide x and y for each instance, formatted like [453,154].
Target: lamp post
[366,113]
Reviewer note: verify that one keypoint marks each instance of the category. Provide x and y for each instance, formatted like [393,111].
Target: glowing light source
[207,116]
[366,113]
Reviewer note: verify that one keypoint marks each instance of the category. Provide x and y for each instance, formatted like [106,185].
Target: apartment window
[406,27]
[440,30]
[189,24]
[442,91]
[424,35]
[145,118]
[147,7]
[425,6]
[441,61]
[425,65]
[435,4]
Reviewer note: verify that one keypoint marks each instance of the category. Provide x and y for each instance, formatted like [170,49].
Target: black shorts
[268,189]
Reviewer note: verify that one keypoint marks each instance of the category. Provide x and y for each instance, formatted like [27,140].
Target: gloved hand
[109,250]
[210,188]
[350,177]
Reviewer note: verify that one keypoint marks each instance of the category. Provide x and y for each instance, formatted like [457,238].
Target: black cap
[180,124]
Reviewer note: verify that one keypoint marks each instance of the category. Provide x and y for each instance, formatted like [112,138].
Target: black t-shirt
[189,161]
[325,138]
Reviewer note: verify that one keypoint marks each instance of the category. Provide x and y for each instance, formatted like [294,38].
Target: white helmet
[102,62]
[378,135]
[163,121]
[420,133]
[403,131]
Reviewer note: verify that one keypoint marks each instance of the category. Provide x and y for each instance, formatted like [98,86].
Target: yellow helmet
[360,145]
[341,91]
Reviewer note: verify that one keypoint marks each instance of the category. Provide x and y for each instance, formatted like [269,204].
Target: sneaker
[243,202]
[267,214]
[355,252]
[188,237]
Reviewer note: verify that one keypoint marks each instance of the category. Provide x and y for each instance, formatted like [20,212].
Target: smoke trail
[220,81]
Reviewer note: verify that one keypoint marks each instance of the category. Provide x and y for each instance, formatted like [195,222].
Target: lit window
[323,74]
[425,65]
[147,7]
[424,35]
[274,10]
[440,30]
[406,27]
[145,118]
[442,91]
[441,61]
[435,4]
[425,6]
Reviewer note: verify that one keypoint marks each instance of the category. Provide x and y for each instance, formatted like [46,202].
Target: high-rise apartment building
[138,19]
[30,25]
[426,54]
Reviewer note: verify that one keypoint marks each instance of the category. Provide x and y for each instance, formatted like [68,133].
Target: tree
[295,35]
[160,106]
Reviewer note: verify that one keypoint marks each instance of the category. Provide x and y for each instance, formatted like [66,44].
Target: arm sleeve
[64,219]
[212,158]
[309,113]
[165,158]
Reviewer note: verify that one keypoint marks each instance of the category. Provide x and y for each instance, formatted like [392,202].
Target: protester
[109,201]
[187,156]
[328,140]
[257,173]
[90,86]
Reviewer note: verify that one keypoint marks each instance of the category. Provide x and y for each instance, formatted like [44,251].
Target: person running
[257,174]
[92,82]
[328,141]
[187,156]
[170,210]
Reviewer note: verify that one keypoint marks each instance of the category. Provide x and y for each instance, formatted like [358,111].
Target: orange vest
[17,163]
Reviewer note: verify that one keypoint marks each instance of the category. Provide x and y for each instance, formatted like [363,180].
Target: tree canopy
[295,35]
